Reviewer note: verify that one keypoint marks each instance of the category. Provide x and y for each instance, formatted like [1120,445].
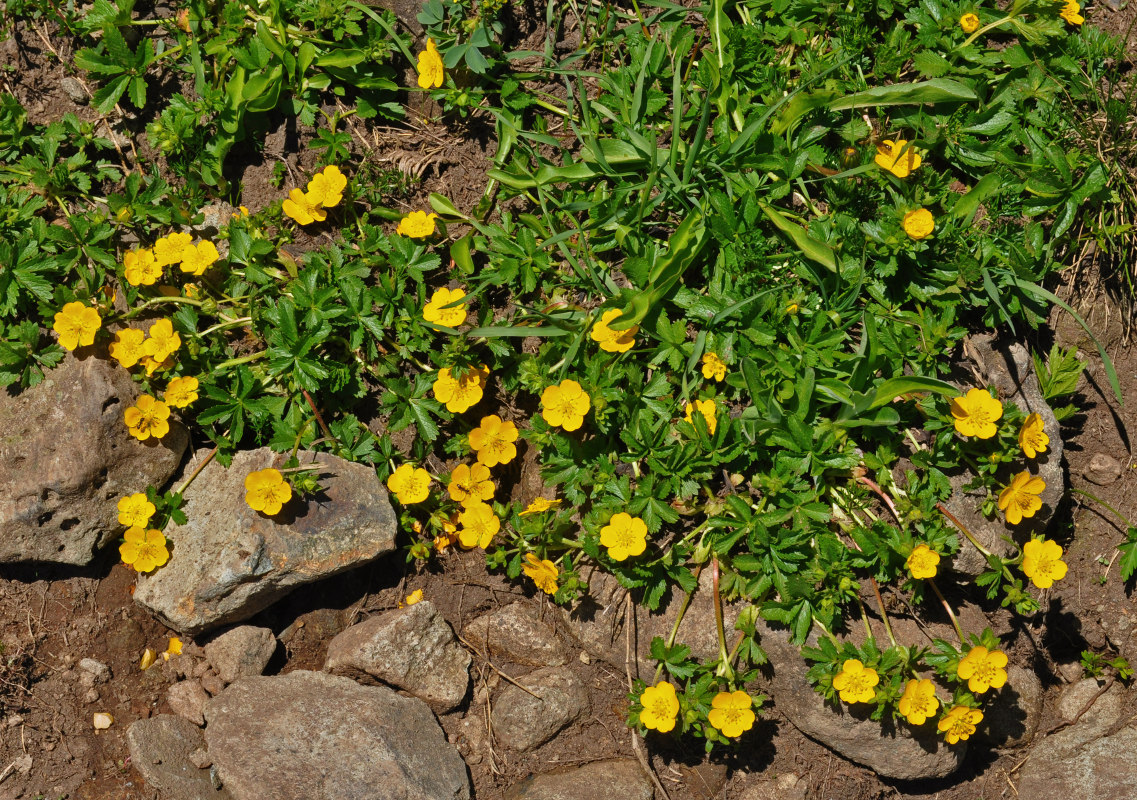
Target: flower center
[858,683]
[659,708]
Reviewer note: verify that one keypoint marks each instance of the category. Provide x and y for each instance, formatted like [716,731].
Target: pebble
[74,89]
[1103,469]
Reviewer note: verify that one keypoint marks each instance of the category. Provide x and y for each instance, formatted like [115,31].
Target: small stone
[524,720]
[74,89]
[241,652]
[785,787]
[102,721]
[98,671]
[187,699]
[200,758]
[212,683]
[616,779]
[1103,469]
[514,633]
[92,696]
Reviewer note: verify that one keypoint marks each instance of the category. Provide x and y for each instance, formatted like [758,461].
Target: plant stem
[679,620]
[963,528]
[947,608]
[198,470]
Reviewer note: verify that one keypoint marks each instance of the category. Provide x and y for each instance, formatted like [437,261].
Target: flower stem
[725,670]
[947,608]
[198,470]
[679,620]
[963,528]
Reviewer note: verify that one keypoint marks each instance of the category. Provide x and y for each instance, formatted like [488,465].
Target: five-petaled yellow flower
[898,157]
[267,491]
[1070,13]
[855,682]
[140,267]
[969,22]
[565,404]
[196,260]
[164,341]
[1021,498]
[327,187]
[1032,436]
[143,549]
[983,669]
[430,69]
[624,536]
[127,348]
[459,389]
[471,484]
[539,506]
[409,483]
[479,524]
[436,311]
[493,441]
[543,572]
[147,417]
[959,723]
[713,367]
[1042,562]
[613,341]
[76,325]
[922,562]
[180,392]
[416,225]
[171,249]
[660,707]
[707,409]
[304,207]
[731,713]
[976,413]
[919,224]
[134,510]
[919,701]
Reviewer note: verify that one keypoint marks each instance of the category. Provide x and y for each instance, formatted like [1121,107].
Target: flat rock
[898,751]
[66,457]
[229,562]
[314,736]
[522,721]
[187,699]
[785,787]
[160,749]
[241,652]
[411,648]
[616,779]
[514,633]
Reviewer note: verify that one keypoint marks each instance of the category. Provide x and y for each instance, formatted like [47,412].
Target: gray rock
[515,634]
[187,699]
[617,779]
[66,458]
[784,787]
[74,89]
[313,736]
[160,749]
[896,751]
[1012,718]
[1102,714]
[1103,469]
[596,620]
[522,721]
[95,671]
[411,648]
[232,562]
[1009,369]
[241,652]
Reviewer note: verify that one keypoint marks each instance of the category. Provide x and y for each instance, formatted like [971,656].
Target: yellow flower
[855,682]
[180,392]
[411,599]
[919,224]
[143,549]
[127,348]
[173,648]
[409,483]
[458,391]
[200,258]
[1070,13]
[153,366]
[303,207]
[449,533]
[707,409]
[613,341]
[919,701]
[983,669]
[1021,497]
[134,510]
[327,187]
[1032,437]
[435,310]
[922,563]
[959,723]
[430,69]
[565,404]
[969,22]
[163,342]
[76,325]
[897,157]
[539,506]
[660,707]
[192,291]
[493,441]
[731,713]
[471,484]
[171,249]
[416,225]
[148,417]
[267,491]
[976,413]
[713,367]
[479,524]
[543,572]
[141,268]
[1042,562]
[624,536]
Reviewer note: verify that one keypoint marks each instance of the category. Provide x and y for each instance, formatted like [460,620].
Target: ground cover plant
[715,285]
